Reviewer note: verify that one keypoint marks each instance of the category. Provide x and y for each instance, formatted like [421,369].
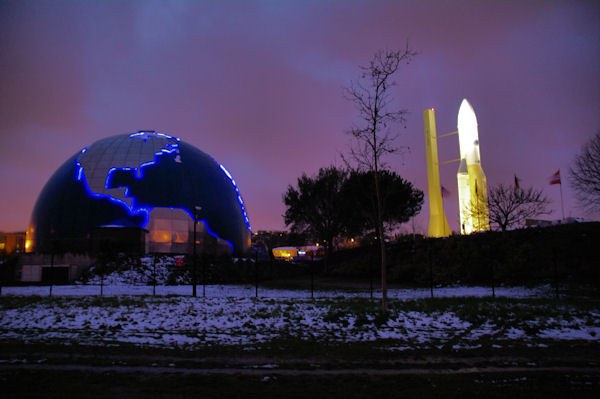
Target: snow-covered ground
[230,315]
[246,291]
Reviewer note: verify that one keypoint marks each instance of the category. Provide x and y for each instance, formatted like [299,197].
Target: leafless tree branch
[374,137]
[584,175]
[510,206]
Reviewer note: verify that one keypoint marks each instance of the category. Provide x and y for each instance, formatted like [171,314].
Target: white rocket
[472,185]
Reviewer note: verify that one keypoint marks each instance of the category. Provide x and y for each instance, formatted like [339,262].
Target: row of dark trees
[341,203]
[524,257]
[337,202]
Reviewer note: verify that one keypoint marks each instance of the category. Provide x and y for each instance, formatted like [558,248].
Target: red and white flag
[555,178]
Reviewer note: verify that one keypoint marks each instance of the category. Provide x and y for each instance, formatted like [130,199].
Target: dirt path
[296,372]
[274,365]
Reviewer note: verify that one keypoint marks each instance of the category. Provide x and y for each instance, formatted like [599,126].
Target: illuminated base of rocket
[472,193]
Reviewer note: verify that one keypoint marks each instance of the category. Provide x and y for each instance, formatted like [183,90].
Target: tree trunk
[384,303]
[328,252]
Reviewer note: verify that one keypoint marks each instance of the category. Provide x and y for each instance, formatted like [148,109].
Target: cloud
[258,85]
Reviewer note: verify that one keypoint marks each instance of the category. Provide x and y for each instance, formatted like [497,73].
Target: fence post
[430,262]
[51,271]
[555,272]
[203,260]
[371,272]
[102,275]
[312,275]
[154,275]
[492,278]
[256,274]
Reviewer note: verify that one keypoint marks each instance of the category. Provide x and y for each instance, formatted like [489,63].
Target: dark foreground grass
[531,315]
[86,384]
[294,354]
[314,367]
[464,305]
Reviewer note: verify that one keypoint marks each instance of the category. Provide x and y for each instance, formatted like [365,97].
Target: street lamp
[194,281]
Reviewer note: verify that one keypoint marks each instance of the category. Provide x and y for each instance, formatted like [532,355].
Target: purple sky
[258,85]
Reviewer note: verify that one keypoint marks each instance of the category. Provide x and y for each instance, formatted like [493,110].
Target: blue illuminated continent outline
[132,179]
[133,210]
[170,148]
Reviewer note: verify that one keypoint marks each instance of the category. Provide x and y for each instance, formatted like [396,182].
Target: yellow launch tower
[438,223]
[472,185]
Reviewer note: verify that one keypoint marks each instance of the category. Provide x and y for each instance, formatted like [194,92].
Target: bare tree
[509,206]
[375,137]
[478,210]
[584,175]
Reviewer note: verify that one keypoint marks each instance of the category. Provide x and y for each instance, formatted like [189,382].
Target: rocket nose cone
[468,136]
[466,114]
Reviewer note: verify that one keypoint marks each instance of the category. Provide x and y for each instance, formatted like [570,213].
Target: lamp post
[256,273]
[154,275]
[52,267]
[53,248]
[194,280]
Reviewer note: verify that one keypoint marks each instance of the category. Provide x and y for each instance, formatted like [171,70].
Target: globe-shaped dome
[147,180]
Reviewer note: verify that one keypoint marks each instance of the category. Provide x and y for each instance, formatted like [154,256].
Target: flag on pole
[445,192]
[517,180]
[555,178]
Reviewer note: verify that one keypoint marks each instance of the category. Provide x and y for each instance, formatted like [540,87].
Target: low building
[12,243]
[546,223]
[307,252]
[55,269]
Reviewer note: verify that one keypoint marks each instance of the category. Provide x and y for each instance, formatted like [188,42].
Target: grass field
[178,346]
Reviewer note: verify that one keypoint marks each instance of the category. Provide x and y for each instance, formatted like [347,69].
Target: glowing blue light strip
[78,165]
[109,174]
[148,134]
[239,197]
[208,230]
[226,172]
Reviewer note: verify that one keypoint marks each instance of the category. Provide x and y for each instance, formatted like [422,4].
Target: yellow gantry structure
[438,223]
